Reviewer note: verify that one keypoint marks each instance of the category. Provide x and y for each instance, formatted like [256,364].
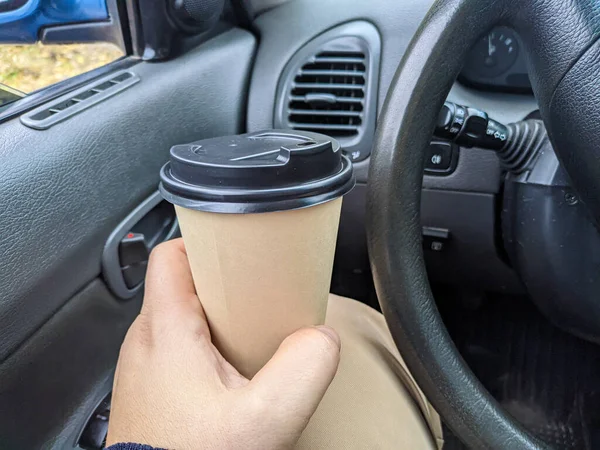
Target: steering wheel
[561,40]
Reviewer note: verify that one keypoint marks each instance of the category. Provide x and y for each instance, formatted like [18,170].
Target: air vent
[79,100]
[328,94]
[329,87]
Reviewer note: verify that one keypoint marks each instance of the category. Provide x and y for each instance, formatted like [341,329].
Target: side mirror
[59,21]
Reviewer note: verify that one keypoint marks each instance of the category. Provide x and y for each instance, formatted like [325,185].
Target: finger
[298,375]
[169,284]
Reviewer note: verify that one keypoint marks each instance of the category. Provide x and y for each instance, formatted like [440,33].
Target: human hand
[174,390]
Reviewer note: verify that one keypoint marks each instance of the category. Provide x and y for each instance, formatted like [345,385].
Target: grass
[31,67]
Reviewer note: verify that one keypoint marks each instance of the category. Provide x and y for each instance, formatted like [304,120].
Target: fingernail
[331,333]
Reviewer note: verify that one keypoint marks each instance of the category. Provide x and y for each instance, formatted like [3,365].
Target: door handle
[126,252]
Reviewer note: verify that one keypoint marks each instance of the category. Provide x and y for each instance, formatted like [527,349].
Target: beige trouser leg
[373,402]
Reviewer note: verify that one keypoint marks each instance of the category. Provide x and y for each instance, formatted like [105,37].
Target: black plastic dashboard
[464,202]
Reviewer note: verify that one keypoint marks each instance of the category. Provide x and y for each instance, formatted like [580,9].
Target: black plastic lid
[273,170]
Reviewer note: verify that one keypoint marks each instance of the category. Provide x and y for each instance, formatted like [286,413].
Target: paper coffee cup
[259,215]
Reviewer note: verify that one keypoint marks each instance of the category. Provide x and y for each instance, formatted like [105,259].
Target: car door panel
[55,380]
[63,191]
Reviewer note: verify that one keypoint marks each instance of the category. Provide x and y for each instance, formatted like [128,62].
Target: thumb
[296,378]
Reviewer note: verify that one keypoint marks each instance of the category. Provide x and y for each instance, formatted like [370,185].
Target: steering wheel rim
[560,36]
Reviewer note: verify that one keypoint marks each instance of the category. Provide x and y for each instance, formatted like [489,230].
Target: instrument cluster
[497,63]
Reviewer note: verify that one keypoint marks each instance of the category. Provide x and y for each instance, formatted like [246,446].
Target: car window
[44,42]
[27,68]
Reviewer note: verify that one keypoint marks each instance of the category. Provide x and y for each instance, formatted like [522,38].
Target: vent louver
[79,100]
[328,93]
[330,87]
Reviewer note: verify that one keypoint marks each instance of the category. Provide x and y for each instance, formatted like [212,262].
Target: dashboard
[497,63]
[298,37]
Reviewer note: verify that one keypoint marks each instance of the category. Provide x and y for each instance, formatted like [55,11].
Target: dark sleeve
[131,446]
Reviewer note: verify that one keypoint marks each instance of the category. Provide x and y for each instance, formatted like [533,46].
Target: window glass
[27,68]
